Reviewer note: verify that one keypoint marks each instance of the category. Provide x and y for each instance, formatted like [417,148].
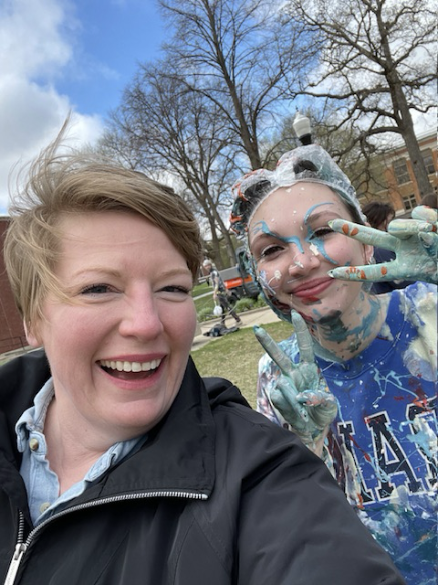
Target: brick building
[397,176]
[11,328]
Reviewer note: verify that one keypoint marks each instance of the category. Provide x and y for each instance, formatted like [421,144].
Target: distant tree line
[221,99]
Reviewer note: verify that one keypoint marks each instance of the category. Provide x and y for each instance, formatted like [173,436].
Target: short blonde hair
[61,184]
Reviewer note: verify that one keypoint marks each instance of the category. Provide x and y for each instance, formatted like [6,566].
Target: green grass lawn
[200,289]
[203,303]
[235,356]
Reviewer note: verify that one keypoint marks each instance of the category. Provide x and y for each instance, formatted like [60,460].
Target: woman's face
[118,351]
[293,249]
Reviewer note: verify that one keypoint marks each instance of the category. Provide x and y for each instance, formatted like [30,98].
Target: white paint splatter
[421,356]
[314,249]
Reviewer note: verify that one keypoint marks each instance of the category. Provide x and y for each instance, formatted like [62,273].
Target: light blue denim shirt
[41,482]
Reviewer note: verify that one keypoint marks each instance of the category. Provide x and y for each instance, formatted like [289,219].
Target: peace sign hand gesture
[414,241]
[301,393]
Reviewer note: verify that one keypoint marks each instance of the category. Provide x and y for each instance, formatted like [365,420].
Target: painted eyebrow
[261,237]
[313,217]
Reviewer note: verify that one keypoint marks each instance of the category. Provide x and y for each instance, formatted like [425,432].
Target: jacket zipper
[22,545]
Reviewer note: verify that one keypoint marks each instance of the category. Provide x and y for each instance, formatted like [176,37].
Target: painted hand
[414,241]
[301,393]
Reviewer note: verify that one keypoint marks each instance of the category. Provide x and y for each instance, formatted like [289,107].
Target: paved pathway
[249,318]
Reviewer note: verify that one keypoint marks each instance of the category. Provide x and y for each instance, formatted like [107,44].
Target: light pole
[302,129]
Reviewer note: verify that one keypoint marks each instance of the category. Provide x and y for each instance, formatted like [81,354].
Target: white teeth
[130,366]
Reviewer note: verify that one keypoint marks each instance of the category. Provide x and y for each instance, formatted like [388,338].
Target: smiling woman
[124,308]
[357,378]
[119,464]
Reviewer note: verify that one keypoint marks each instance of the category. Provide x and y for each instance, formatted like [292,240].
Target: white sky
[34,52]
[59,56]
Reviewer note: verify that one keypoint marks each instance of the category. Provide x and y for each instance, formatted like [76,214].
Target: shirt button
[34,444]
[44,507]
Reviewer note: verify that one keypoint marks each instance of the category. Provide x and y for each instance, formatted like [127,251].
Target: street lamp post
[302,129]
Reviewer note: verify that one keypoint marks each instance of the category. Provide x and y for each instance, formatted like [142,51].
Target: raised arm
[301,393]
[414,241]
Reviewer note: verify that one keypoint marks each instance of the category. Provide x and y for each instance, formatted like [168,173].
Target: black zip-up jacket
[217,496]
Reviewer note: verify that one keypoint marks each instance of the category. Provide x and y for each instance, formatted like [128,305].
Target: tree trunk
[403,117]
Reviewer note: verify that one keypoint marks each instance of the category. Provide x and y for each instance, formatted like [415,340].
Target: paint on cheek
[265,283]
[314,249]
[316,244]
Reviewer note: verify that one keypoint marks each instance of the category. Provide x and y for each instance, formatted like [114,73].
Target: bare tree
[378,63]
[170,132]
[244,57]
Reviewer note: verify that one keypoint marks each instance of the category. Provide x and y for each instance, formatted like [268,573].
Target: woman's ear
[31,335]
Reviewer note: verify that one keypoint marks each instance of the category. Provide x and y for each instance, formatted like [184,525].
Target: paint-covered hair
[306,163]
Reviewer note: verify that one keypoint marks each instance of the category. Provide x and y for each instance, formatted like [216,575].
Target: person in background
[220,294]
[430,200]
[119,464]
[379,215]
[356,380]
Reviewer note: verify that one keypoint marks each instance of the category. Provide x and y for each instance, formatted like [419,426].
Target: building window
[401,171]
[409,202]
[428,160]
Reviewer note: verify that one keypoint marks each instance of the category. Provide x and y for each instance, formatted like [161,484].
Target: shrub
[205,314]
[244,304]
[260,302]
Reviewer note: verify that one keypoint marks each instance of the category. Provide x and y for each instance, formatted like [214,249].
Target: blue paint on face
[264,282]
[261,226]
[311,238]
[312,209]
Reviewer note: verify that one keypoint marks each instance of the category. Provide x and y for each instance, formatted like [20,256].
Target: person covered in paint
[119,464]
[220,294]
[357,378]
[379,215]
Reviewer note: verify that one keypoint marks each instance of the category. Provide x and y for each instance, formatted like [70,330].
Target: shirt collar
[33,418]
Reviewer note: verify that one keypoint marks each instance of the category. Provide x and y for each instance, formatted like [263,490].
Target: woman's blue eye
[95,289]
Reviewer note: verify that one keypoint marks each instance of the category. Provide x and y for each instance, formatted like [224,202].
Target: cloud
[37,43]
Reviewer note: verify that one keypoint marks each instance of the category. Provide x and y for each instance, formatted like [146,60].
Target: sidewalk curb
[249,319]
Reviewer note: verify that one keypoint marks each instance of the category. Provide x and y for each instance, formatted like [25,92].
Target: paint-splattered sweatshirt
[382,447]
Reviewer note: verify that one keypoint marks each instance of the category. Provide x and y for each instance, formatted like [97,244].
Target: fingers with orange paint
[363,233]
[414,241]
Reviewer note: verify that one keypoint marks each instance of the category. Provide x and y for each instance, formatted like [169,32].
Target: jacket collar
[177,457]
